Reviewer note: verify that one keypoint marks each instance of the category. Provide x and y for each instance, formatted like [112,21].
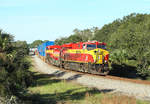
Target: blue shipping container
[39,49]
[42,47]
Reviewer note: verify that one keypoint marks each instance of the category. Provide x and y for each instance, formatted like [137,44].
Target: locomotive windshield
[93,46]
[101,46]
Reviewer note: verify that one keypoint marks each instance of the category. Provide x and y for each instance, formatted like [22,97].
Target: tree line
[127,41]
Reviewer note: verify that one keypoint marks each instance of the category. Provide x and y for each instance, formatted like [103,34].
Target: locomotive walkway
[140,91]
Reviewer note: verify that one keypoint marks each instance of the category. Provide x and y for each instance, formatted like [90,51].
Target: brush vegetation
[14,76]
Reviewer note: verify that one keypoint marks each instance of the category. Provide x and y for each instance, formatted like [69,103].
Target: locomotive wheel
[86,68]
[82,68]
[103,70]
[66,65]
[61,64]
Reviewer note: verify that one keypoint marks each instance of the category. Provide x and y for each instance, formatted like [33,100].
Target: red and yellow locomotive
[91,57]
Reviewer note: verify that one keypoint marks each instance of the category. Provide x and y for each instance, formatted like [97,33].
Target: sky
[31,20]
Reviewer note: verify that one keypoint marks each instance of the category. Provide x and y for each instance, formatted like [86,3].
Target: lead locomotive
[91,57]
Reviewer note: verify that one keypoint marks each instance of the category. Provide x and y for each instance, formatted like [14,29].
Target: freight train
[89,57]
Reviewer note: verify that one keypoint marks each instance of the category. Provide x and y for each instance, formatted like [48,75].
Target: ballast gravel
[140,91]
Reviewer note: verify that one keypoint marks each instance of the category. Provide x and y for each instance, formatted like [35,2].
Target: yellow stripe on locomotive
[99,55]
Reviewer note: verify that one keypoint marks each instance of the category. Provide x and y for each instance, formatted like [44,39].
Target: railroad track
[138,81]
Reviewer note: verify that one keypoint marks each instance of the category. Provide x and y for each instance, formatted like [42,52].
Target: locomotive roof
[79,44]
[68,45]
[74,45]
[94,42]
[54,46]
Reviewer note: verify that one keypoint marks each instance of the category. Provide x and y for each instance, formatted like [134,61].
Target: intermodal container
[42,47]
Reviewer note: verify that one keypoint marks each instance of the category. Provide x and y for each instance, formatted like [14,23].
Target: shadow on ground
[124,70]
[54,98]
[59,73]
[64,96]
[74,77]
[43,79]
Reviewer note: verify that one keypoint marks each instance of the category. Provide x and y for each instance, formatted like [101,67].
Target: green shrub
[14,74]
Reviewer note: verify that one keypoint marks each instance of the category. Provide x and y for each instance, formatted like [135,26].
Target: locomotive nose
[106,58]
[98,52]
[104,54]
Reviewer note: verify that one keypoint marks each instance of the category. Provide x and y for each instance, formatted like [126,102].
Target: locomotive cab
[97,50]
[94,45]
[99,54]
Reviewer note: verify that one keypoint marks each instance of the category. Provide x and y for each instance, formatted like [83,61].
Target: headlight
[98,57]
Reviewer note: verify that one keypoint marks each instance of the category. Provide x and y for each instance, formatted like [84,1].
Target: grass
[47,89]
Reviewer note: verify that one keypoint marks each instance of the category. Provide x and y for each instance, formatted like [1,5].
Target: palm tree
[5,41]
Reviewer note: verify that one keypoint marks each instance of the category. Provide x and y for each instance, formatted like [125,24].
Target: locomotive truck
[90,57]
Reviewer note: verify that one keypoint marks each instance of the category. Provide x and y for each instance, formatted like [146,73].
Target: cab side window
[84,46]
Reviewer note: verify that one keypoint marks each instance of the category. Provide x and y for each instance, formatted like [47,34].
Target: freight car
[41,49]
[91,57]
